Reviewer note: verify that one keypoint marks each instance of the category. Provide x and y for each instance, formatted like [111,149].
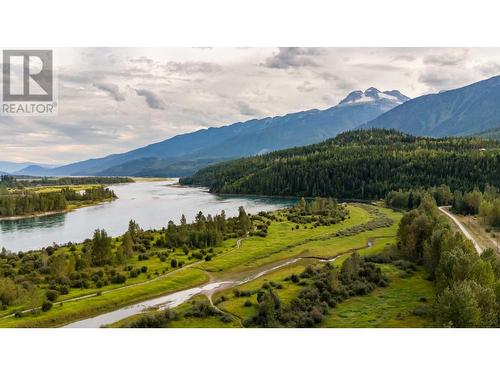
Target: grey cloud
[246,110]
[293,57]
[405,57]
[306,86]
[192,67]
[446,59]
[379,67]
[111,89]
[327,76]
[152,99]
[490,68]
[441,79]
[142,60]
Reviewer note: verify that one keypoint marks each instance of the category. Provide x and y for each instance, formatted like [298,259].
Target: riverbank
[71,207]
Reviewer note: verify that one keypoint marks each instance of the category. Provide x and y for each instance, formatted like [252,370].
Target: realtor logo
[27,82]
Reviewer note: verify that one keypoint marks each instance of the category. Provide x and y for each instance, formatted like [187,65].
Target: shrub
[118,278]
[52,295]
[173,263]
[247,303]
[135,272]
[46,306]
[226,318]
[63,289]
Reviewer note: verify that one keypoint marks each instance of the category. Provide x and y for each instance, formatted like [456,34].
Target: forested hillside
[360,164]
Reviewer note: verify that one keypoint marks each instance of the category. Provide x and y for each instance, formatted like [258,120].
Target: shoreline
[51,213]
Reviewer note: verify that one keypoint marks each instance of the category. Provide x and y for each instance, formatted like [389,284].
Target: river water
[150,203]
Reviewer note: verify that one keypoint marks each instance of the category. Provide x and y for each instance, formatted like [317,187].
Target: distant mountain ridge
[184,154]
[460,112]
[489,134]
[12,167]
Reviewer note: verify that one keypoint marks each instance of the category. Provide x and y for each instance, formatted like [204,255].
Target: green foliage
[101,248]
[153,320]
[25,202]
[206,231]
[361,164]
[319,211]
[46,306]
[328,286]
[12,182]
[466,283]
[412,198]
[8,292]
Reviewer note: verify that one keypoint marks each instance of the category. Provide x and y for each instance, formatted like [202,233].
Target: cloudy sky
[115,99]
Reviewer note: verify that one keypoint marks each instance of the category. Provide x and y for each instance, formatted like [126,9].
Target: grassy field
[88,307]
[389,307]
[241,303]
[283,241]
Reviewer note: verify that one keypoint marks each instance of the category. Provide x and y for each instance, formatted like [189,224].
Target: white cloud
[116,99]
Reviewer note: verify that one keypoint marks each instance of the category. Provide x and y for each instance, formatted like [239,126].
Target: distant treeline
[13,182]
[25,202]
[363,164]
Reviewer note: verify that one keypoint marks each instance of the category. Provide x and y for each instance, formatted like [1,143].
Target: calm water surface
[151,204]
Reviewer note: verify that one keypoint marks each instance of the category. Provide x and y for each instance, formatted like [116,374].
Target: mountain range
[184,154]
[464,111]
[470,110]
[12,167]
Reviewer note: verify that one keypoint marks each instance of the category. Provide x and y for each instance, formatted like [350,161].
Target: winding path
[462,228]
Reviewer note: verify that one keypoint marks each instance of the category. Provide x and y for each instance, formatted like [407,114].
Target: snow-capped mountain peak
[372,94]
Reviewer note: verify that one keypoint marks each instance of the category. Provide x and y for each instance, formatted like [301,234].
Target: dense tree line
[485,204]
[206,231]
[363,164]
[410,199]
[15,183]
[467,284]
[25,202]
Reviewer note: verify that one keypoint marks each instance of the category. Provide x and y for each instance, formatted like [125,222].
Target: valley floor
[284,251]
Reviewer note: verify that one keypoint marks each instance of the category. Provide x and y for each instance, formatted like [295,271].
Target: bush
[46,306]
[226,318]
[144,269]
[118,278]
[63,289]
[52,295]
[247,303]
[173,263]
[134,273]
[422,311]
